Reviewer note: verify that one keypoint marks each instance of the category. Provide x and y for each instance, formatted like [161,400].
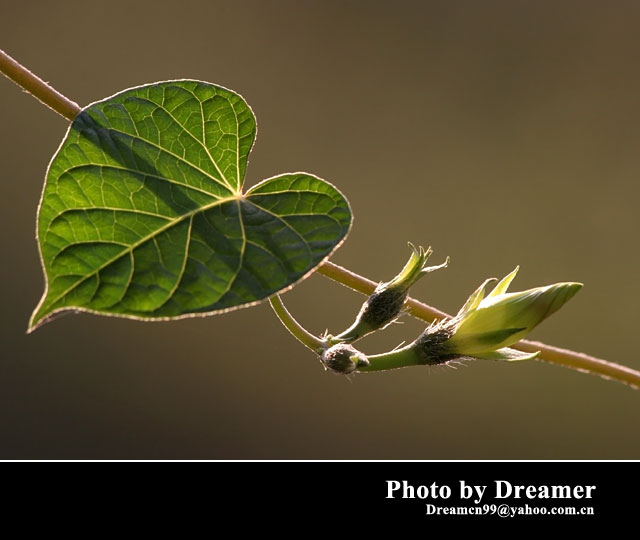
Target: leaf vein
[140,242]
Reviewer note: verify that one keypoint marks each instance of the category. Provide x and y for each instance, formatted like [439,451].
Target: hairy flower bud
[343,358]
[387,301]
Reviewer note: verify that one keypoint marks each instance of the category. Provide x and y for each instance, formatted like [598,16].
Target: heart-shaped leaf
[143,213]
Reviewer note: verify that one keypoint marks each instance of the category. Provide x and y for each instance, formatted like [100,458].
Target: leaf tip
[38,318]
[34,323]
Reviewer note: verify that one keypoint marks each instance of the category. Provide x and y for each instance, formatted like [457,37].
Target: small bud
[387,301]
[343,359]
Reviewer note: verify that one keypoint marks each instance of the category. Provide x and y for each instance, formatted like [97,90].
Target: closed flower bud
[343,359]
[485,327]
[387,301]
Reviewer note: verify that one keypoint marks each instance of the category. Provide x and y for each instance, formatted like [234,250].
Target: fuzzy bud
[343,359]
[387,301]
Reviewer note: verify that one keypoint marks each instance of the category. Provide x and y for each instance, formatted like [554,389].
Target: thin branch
[554,355]
[37,87]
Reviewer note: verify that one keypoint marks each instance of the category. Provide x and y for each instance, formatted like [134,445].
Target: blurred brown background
[500,133]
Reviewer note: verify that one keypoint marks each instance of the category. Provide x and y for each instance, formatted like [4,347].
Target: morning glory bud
[387,301]
[486,327]
[343,359]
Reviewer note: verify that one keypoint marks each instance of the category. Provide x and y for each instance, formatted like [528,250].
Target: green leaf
[143,213]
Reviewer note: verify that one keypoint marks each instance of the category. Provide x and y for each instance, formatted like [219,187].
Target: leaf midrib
[130,248]
[179,158]
[202,143]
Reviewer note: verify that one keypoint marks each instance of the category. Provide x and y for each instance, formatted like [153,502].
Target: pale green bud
[501,319]
[486,327]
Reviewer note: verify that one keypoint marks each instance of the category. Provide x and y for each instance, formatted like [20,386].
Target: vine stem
[296,329]
[39,89]
[555,355]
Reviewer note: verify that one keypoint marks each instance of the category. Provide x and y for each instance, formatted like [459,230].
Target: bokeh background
[500,133]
